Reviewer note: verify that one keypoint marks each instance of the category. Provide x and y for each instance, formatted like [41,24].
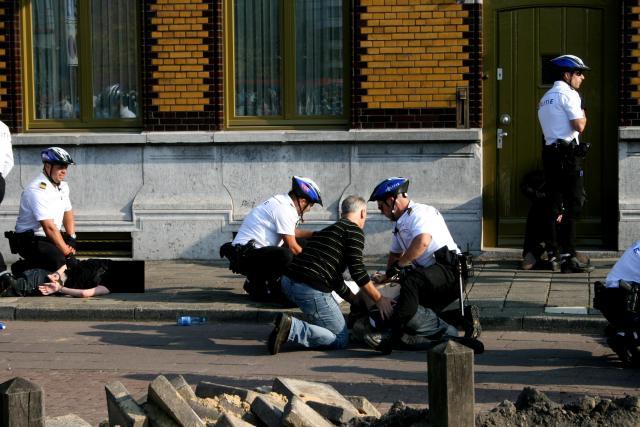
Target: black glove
[395,271]
[71,241]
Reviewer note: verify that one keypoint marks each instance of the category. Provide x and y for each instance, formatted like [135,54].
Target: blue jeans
[427,323]
[327,329]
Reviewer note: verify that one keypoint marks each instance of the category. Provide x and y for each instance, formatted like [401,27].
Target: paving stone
[363,405]
[206,389]
[299,414]
[182,387]
[122,408]
[228,420]
[165,396]
[157,417]
[268,410]
[70,420]
[322,397]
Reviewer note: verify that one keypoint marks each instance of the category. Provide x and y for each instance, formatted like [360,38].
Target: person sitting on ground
[82,279]
[45,208]
[266,242]
[316,272]
[423,258]
[618,299]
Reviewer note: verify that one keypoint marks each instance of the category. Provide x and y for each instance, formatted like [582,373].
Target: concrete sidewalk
[509,298]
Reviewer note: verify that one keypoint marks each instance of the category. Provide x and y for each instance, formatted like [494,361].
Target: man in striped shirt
[316,272]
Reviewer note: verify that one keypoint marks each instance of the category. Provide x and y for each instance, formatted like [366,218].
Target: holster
[460,263]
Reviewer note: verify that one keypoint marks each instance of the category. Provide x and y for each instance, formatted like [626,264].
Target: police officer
[266,242]
[45,208]
[619,301]
[562,118]
[6,164]
[419,257]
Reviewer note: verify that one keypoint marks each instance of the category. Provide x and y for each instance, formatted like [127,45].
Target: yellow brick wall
[634,35]
[414,53]
[179,63]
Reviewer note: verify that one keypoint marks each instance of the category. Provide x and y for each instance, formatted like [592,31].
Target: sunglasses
[577,73]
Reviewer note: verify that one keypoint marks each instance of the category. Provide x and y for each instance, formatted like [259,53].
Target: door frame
[490,9]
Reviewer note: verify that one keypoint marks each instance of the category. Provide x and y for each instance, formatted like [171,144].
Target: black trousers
[267,264]
[565,184]
[433,287]
[39,252]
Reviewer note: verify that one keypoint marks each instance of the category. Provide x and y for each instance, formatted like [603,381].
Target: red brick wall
[630,65]
[10,78]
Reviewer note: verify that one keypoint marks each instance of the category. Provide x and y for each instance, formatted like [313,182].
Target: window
[287,63]
[82,67]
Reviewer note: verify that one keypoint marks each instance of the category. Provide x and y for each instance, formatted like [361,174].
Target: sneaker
[528,262]
[471,322]
[572,265]
[618,344]
[476,345]
[280,333]
[7,281]
[379,341]
[583,258]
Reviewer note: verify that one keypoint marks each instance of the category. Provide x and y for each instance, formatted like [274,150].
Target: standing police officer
[562,118]
[420,258]
[45,208]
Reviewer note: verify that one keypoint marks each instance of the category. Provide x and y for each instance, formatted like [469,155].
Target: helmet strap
[48,174]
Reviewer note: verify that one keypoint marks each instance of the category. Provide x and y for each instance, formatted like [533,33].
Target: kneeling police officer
[45,207]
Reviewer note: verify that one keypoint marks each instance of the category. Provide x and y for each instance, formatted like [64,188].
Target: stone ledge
[473,135]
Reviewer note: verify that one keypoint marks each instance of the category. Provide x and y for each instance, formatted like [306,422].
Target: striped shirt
[327,254]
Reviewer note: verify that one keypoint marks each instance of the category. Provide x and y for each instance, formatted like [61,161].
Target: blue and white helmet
[389,187]
[569,63]
[305,188]
[56,156]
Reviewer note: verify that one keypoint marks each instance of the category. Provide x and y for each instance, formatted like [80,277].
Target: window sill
[249,137]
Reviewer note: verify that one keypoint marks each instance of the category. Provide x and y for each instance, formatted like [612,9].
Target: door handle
[501,134]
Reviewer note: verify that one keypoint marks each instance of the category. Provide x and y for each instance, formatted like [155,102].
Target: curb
[531,323]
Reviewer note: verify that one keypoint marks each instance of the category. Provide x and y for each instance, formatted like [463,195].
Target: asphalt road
[73,361]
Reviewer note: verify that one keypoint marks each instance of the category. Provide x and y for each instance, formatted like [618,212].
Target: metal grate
[111,245]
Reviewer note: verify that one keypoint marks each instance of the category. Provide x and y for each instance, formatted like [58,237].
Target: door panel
[526,37]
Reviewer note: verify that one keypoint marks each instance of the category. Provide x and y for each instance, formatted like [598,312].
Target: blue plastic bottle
[2,326]
[191,320]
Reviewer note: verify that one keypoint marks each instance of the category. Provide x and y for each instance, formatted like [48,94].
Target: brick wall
[10,79]
[183,65]
[630,65]
[410,57]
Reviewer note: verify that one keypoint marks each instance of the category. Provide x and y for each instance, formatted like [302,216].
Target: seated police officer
[619,301]
[266,241]
[45,208]
[422,258]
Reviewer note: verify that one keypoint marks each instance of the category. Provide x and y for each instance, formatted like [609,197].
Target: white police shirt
[267,222]
[557,107]
[42,200]
[419,219]
[627,268]
[6,153]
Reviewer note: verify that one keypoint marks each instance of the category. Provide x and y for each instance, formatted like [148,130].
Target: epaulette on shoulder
[42,185]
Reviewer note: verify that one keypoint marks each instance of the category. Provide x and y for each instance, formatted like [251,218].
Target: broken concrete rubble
[531,408]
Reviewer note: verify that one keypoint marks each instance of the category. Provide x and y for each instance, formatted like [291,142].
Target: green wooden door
[527,36]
